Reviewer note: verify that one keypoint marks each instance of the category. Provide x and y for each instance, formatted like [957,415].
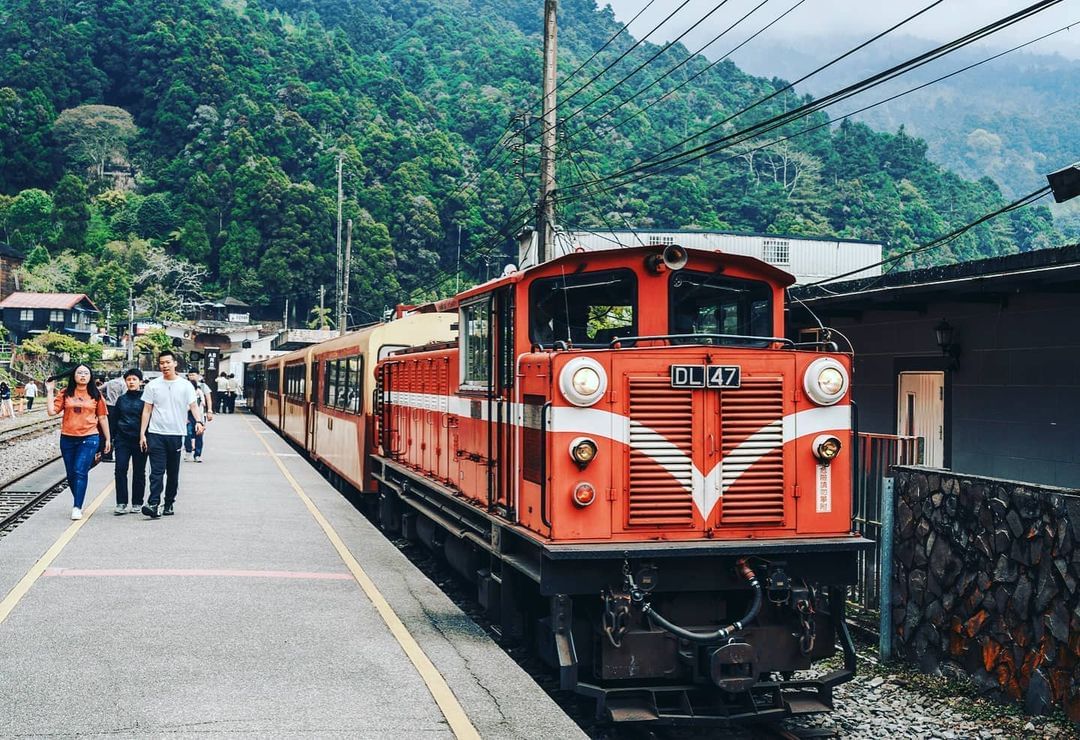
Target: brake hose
[723,632]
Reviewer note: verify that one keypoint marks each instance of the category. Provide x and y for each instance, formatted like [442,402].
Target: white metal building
[808,259]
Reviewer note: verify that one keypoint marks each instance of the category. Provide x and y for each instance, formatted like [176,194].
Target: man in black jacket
[128,419]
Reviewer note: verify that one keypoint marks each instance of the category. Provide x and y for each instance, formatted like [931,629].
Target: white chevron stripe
[706,489]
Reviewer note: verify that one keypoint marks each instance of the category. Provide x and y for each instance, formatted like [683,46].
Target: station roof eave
[1054,270]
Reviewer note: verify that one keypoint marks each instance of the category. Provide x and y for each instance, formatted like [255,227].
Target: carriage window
[715,304]
[352,401]
[331,385]
[476,344]
[586,309]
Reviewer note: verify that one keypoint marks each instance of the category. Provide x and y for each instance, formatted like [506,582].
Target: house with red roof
[27,314]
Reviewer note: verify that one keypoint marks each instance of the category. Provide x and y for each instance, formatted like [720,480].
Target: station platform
[267,606]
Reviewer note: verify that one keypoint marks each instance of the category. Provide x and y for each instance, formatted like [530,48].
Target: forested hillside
[191,148]
[1004,119]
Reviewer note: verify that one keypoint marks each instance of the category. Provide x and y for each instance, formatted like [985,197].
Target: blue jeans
[78,454]
[191,438]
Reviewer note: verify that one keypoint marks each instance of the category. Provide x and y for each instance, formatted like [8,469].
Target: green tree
[94,135]
[71,209]
[29,219]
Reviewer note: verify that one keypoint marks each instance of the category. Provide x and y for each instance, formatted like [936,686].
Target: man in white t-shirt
[30,393]
[166,403]
[222,392]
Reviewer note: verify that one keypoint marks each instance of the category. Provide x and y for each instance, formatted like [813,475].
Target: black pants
[231,400]
[164,453]
[128,450]
[112,430]
[29,404]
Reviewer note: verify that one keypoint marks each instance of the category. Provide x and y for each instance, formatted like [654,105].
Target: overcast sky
[822,18]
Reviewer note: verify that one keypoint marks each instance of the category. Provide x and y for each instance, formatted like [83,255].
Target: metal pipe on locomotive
[641,475]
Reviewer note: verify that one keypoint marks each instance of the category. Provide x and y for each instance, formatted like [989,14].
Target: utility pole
[322,306]
[131,327]
[344,325]
[338,283]
[546,207]
[285,316]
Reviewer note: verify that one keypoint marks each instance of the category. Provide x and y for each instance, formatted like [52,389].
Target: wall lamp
[943,333]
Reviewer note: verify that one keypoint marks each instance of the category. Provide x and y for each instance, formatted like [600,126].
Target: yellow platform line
[26,582]
[459,721]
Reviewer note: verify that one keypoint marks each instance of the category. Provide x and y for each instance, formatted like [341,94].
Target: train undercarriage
[702,633]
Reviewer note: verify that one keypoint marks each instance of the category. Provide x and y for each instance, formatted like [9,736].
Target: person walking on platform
[222,384]
[84,412]
[127,422]
[166,402]
[6,409]
[30,393]
[193,443]
[233,392]
[112,390]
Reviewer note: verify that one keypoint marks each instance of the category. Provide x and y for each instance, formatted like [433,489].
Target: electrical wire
[942,240]
[837,96]
[831,121]
[646,63]
[671,71]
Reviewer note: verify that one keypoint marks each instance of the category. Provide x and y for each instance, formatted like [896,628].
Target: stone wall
[985,578]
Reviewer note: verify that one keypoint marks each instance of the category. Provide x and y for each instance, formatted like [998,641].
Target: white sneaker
[121,509]
[76,512]
[188,457]
[134,509]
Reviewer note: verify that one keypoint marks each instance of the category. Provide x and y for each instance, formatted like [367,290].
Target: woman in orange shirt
[84,412]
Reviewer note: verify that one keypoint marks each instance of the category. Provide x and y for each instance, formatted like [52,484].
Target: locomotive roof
[630,255]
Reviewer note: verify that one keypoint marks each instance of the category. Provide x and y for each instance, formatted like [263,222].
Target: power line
[648,61]
[942,240]
[618,59]
[648,161]
[607,43]
[814,106]
[825,123]
[671,71]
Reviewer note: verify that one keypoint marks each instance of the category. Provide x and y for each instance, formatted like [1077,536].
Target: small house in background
[27,314]
[979,359]
[10,261]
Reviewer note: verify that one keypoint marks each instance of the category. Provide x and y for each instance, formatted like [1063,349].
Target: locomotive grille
[661,473]
[753,472]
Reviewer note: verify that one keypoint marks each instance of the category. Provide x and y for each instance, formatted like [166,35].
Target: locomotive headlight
[826,381]
[826,447]
[582,450]
[584,494]
[583,381]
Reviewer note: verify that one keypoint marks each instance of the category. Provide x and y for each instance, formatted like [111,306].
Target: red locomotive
[641,474]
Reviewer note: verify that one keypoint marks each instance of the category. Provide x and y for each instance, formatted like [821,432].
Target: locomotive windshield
[703,303]
[584,309]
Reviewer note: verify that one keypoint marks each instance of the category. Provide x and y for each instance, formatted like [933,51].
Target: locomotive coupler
[616,616]
[802,600]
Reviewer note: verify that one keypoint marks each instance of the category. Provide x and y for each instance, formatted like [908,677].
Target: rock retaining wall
[986,575]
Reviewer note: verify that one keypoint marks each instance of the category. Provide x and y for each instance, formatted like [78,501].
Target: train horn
[672,258]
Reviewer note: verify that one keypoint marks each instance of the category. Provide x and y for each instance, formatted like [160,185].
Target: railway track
[26,493]
[38,426]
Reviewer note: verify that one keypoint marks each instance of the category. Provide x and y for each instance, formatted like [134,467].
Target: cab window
[715,304]
[476,344]
[585,310]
